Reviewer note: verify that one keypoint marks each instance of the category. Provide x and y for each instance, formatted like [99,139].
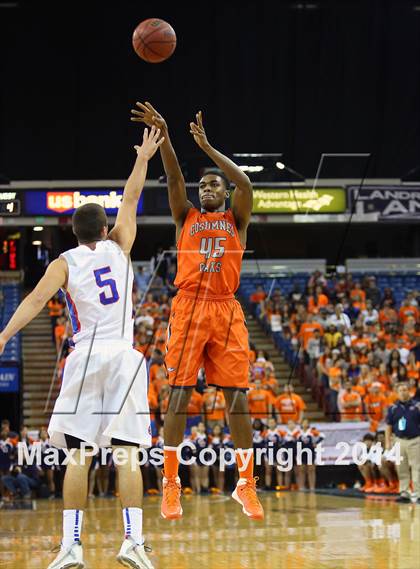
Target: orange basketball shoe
[171,508]
[246,494]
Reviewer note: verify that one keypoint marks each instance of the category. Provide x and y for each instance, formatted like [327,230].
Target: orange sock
[245,462]
[170,462]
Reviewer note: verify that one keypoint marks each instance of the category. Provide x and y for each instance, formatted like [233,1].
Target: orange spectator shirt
[257,297]
[259,403]
[375,406]
[55,308]
[209,254]
[195,405]
[334,378]
[214,405]
[289,406]
[322,301]
[351,412]
[307,331]
[407,311]
[361,343]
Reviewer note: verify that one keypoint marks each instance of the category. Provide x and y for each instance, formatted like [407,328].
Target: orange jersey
[375,406]
[289,406]
[407,311]
[307,331]
[259,403]
[209,254]
[195,405]
[352,406]
[214,405]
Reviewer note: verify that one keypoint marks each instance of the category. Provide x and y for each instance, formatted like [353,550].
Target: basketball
[154,40]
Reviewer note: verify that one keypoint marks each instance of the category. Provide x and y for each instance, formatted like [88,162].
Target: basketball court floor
[300,531]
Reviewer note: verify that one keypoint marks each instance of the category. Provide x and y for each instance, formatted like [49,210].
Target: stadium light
[245,168]
[36,242]
[280,165]
[38,228]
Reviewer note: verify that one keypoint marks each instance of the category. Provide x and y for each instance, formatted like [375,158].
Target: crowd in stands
[277,414]
[351,341]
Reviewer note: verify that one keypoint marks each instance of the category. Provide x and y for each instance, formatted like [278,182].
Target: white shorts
[103,396]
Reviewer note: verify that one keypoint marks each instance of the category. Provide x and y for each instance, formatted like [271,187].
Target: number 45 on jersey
[211,248]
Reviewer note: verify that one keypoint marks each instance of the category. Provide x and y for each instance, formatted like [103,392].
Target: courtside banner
[299,200]
[389,202]
[9,379]
[57,203]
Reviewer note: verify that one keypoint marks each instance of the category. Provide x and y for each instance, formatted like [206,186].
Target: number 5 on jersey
[101,282]
[208,250]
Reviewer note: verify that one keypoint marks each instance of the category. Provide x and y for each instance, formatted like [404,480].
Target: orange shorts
[207,333]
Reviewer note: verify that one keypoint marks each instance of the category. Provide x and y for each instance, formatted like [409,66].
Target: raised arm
[55,277]
[178,201]
[125,228]
[242,196]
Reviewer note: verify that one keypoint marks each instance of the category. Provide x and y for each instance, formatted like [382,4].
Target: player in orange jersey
[207,323]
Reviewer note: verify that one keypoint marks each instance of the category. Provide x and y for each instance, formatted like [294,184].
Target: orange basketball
[154,40]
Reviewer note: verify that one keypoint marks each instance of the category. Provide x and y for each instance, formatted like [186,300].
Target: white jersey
[99,292]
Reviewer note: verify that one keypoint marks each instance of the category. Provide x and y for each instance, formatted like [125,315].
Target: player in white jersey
[103,398]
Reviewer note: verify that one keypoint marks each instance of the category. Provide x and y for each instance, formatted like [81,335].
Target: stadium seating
[11,294]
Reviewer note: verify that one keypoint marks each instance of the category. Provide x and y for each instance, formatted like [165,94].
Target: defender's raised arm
[178,200]
[125,229]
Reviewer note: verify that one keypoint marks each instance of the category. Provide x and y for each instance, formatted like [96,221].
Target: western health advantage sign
[299,200]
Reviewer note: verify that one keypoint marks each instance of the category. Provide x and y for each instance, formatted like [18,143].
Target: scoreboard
[10,204]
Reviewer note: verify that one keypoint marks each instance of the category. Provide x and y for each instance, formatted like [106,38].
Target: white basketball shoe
[134,555]
[69,557]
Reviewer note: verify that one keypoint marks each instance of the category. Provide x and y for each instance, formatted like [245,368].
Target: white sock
[72,527]
[133,524]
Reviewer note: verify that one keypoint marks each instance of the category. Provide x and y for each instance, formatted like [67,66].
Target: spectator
[340,320]
[56,310]
[5,426]
[309,438]
[216,443]
[370,314]
[307,331]
[20,480]
[388,298]
[199,470]
[403,421]
[317,300]
[142,279]
[315,347]
[194,410]
[214,405]
[350,403]
[375,404]
[289,406]
[260,402]
[332,336]
[367,468]
[273,440]
[373,294]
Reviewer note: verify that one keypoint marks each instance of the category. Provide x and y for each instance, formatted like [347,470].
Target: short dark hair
[217,172]
[369,437]
[88,221]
